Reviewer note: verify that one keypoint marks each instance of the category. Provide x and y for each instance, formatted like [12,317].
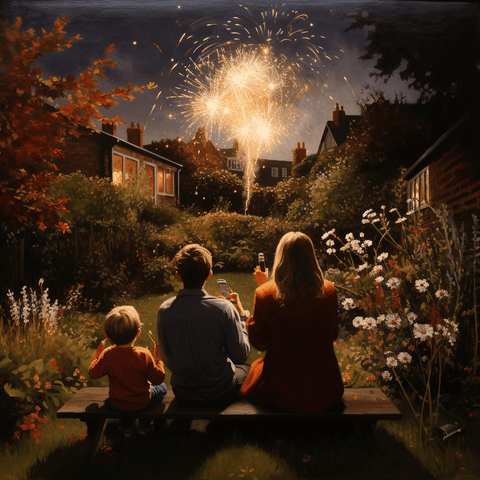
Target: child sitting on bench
[135,376]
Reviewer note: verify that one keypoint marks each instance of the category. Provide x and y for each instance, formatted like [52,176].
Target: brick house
[449,172]
[103,154]
[337,129]
[268,173]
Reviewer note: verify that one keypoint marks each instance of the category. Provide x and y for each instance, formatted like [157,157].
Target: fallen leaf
[306,458]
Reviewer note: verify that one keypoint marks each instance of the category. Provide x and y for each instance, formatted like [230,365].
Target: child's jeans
[157,394]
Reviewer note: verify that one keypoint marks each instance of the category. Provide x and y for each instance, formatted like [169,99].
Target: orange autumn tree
[32,132]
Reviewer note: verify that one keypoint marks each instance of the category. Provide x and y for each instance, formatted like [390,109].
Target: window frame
[418,191]
[124,166]
[150,164]
[274,172]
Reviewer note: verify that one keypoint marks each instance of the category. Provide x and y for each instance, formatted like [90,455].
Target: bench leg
[364,432]
[95,430]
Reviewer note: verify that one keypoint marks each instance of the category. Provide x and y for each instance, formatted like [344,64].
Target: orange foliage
[32,132]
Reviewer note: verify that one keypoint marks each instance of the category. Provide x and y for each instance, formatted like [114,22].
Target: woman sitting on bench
[295,320]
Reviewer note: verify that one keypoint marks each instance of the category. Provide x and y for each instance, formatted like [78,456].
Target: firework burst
[243,79]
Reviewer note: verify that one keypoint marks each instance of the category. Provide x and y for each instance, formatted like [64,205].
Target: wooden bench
[363,406]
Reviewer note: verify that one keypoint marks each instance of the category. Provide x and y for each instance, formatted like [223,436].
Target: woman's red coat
[299,372]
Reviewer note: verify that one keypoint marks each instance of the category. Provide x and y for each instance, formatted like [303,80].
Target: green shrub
[42,362]
[262,201]
[98,201]
[157,276]
[206,186]
[233,239]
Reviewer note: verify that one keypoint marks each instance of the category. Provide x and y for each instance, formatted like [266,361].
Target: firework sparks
[247,80]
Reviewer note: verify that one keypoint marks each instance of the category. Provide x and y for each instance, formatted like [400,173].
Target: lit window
[123,169]
[117,170]
[169,182]
[130,168]
[160,180]
[150,175]
[274,171]
[418,191]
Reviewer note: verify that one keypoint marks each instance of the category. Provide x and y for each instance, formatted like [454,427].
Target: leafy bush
[42,363]
[262,201]
[206,186]
[406,295]
[98,201]
[158,276]
[233,239]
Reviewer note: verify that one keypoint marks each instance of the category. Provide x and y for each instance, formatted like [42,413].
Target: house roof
[339,132]
[112,140]
[426,158]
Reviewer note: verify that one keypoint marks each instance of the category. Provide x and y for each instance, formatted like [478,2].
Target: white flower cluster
[30,307]
[369,216]
[348,303]
[356,245]
[393,283]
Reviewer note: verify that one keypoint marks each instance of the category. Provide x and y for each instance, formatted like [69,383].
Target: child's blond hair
[122,324]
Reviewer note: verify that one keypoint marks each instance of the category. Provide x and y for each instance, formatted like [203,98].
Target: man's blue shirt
[201,338]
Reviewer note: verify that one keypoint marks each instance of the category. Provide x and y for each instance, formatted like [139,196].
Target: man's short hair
[193,262]
[122,324]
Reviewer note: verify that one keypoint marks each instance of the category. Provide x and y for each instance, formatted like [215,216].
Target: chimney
[299,153]
[109,128]
[135,134]
[338,115]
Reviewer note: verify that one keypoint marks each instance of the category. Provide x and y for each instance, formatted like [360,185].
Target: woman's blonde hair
[122,324]
[296,269]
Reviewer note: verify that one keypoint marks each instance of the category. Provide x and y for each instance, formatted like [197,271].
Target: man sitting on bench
[202,338]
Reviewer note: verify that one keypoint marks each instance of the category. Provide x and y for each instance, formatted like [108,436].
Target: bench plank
[367,404]
[362,406]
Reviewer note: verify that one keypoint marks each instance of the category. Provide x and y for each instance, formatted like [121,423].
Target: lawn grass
[231,449]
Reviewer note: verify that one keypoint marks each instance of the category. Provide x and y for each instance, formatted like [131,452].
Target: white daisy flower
[376,270]
[441,294]
[404,357]
[380,319]
[393,320]
[348,303]
[422,331]
[411,317]
[400,220]
[393,282]
[379,279]
[357,322]
[366,212]
[421,285]
[391,362]
[349,237]
[369,323]
[386,375]
[331,251]
[382,257]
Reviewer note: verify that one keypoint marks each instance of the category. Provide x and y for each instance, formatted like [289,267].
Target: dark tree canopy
[436,52]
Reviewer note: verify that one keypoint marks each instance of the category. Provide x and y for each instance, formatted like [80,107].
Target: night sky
[146,35]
